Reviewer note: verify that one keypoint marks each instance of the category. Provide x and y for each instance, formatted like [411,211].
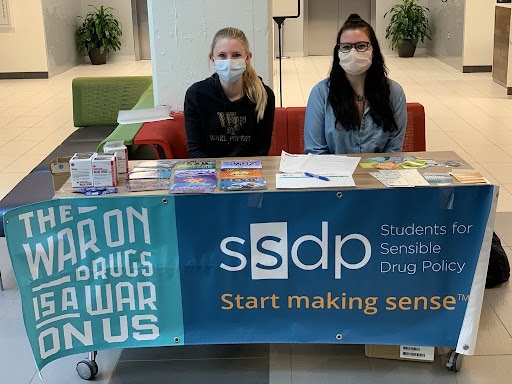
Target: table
[363,265]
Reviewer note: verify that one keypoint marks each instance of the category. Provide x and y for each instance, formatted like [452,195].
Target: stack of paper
[315,171]
[149,175]
[194,176]
[468,176]
[237,175]
[144,115]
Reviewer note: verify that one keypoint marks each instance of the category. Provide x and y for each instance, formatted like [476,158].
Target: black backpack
[499,268]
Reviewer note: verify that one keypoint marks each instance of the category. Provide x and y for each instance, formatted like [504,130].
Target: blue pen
[316,176]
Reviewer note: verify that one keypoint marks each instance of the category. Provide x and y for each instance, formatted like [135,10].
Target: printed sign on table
[387,266]
[96,273]
[391,266]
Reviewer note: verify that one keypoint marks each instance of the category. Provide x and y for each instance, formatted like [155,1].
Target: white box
[104,170]
[80,167]
[121,151]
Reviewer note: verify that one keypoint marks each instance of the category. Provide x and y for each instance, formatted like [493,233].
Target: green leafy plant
[99,29]
[409,21]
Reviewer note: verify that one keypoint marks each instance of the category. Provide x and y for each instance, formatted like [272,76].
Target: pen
[316,176]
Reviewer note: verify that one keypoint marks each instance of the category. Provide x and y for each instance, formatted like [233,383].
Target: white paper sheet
[400,178]
[144,115]
[319,164]
[299,180]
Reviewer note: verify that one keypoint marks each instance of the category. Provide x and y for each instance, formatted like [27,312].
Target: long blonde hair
[251,85]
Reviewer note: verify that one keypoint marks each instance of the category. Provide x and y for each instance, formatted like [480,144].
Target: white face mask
[230,70]
[354,62]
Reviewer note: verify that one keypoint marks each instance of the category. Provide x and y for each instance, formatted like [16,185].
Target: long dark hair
[376,86]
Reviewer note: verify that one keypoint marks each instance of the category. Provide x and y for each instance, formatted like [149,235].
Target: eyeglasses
[360,46]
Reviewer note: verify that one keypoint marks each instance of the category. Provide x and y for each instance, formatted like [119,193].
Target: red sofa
[168,137]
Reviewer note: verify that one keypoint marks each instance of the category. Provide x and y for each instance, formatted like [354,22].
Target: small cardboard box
[400,352]
[121,152]
[80,166]
[104,169]
[59,167]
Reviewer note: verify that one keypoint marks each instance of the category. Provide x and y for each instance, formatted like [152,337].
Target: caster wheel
[454,362]
[87,369]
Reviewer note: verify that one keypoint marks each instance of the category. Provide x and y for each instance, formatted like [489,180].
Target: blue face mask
[230,70]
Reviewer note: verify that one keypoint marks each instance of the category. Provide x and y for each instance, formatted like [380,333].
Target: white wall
[293,36]
[463,32]
[122,10]
[478,32]
[23,47]
[181,32]
[59,22]
[447,20]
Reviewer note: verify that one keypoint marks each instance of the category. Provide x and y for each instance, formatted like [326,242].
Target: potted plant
[98,33]
[408,25]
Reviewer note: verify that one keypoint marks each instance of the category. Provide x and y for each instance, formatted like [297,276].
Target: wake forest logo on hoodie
[232,123]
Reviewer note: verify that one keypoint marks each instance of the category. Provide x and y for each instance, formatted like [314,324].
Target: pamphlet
[242,184]
[194,176]
[468,176]
[162,163]
[232,164]
[139,185]
[438,178]
[150,174]
[241,173]
[196,164]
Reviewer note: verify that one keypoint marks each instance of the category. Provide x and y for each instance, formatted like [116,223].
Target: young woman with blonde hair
[230,113]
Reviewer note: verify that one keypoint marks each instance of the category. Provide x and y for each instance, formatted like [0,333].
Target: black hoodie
[217,127]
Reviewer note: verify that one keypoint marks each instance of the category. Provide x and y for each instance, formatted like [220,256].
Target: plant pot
[97,57]
[407,49]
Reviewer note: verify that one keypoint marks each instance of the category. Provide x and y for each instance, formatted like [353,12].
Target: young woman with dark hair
[230,113]
[358,109]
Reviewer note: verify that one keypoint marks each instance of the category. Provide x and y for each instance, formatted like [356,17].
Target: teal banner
[97,273]
[402,266]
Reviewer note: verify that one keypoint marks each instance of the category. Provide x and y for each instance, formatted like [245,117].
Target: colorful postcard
[150,174]
[196,164]
[191,188]
[232,164]
[163,163]
[147,185]
[240,173]
[195,179]
[242,184]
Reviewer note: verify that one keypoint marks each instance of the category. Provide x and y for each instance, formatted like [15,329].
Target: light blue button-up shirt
[322,136]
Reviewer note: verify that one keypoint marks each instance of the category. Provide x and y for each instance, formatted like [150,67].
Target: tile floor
[467,113]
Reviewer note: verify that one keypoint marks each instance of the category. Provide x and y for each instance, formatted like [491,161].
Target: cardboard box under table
[400,352]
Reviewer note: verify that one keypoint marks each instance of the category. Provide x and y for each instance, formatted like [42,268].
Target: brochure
[163,163]
[193,164]
[232,164]
[242,184]
[241,173]
[139,185]
[194,176]
[438,178]
[150,174]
